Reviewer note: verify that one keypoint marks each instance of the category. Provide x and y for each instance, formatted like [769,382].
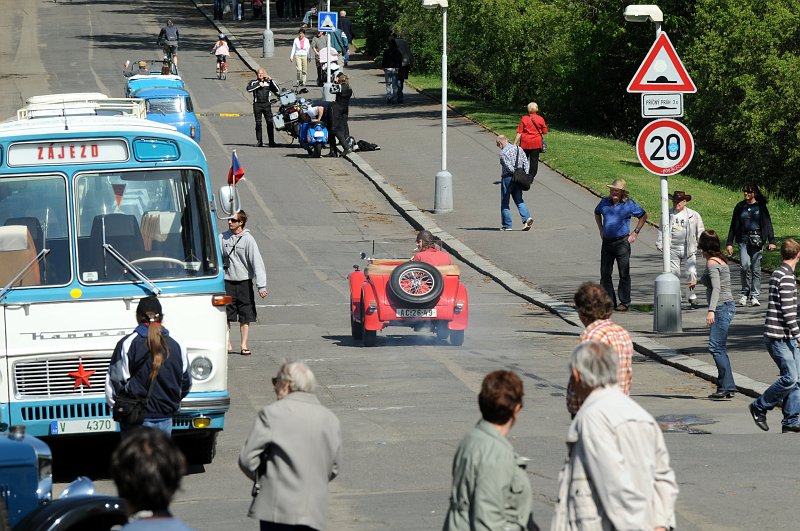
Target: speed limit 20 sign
[665,147]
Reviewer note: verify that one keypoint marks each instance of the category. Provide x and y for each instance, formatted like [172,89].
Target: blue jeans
[509,190]
[718,345]
[750,270]
[785,392]
[619,251]
[390,75]
[164,425]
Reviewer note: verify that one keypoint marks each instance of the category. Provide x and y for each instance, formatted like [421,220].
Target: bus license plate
[400,312]
[66,427]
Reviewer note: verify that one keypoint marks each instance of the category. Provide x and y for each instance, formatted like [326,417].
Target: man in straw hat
[613,216]
[685,226]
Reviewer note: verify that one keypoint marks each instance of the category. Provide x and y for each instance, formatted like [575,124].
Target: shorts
[243,307]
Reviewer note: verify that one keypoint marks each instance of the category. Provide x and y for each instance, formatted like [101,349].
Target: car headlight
[201,368]
[45,466]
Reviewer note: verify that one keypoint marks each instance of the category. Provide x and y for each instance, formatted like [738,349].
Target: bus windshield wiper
[135,271]
[8,287]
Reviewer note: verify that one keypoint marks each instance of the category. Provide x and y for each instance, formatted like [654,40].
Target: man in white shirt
[617,473]
[685,227]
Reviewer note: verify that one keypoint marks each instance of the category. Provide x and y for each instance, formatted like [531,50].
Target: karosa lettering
[81,151]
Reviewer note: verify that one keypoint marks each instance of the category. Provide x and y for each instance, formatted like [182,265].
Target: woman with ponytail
[149,363]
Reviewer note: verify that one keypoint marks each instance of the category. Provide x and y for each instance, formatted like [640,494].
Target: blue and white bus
[96,212]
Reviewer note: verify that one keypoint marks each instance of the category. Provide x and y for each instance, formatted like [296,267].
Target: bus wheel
[200,449]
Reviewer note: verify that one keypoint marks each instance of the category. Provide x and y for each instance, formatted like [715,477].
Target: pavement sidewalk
[544,265]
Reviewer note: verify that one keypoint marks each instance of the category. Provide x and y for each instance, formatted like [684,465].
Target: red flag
[236,173]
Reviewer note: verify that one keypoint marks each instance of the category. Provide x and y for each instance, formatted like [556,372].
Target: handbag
[754,240]
[129,407]
[520,177]
[544,142]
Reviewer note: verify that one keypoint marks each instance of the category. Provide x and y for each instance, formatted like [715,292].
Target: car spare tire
[416,283]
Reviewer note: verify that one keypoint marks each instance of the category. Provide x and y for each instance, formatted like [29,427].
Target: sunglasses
[234,220]
[275,380]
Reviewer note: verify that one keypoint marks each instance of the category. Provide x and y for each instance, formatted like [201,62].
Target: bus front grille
[76,376]
[66,411]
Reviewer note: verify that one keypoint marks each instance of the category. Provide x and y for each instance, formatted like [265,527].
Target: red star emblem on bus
[81,376]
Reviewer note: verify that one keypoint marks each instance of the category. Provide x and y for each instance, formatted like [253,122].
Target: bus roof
[66,97]
[83,125]
[85,104]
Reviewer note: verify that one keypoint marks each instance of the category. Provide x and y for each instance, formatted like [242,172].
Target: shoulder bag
[544,142]
[521,178]
[129,407]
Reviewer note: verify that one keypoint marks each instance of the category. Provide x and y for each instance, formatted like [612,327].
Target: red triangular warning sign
[662,70]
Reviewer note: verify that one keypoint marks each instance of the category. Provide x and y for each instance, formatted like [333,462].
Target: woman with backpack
[149,365]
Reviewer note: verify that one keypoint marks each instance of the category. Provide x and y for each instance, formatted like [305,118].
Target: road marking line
[383,408]
[347,386]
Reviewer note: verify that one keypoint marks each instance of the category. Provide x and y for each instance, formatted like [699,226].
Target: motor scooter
[313,137]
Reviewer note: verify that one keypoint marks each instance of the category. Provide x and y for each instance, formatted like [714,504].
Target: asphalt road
[405,404]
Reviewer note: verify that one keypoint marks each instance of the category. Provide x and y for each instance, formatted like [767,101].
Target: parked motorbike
[313,137]
[290,110]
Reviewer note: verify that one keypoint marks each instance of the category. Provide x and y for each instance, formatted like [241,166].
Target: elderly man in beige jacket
[617,473]
[292,453]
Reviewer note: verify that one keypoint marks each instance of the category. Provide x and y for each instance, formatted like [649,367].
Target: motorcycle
[291,108]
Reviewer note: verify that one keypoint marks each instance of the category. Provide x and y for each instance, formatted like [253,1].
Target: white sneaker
[527,224]
[754,302]
[743,300]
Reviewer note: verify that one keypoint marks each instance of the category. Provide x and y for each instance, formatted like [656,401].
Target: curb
[422,220]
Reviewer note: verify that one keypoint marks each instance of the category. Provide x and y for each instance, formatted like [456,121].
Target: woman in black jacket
[751,228]
[149,354]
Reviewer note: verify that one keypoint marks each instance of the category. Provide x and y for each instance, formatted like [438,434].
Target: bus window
[36,206]
[157,219]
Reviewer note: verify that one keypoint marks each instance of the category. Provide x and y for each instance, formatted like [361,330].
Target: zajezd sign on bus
[69,152]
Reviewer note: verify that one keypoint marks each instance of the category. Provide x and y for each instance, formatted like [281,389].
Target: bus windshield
[157,219]
[34,217]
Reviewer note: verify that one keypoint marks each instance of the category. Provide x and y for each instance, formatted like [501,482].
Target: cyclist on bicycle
[168,39]
[222,51]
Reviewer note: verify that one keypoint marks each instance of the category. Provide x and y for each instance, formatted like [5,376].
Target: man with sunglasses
[244,268]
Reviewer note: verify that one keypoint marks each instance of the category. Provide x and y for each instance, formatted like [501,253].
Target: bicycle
[170,49]
[222,66]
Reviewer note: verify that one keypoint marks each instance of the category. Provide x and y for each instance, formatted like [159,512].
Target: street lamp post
[443,193]
[269,42]
[667,290]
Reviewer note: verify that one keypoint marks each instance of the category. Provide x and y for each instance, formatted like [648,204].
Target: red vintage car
[400,292]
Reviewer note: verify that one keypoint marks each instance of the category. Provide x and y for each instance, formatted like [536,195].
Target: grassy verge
[595,161]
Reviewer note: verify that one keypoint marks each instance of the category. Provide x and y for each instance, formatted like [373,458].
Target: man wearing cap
[142,71]
[613,216]
[685,226]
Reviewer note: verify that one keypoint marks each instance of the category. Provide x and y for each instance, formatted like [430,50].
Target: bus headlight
[201,368]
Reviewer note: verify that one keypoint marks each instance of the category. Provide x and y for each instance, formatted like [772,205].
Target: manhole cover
[683,423]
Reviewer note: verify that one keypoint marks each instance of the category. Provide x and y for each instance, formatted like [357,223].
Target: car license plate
[294,115]
[66,427]
[400,312]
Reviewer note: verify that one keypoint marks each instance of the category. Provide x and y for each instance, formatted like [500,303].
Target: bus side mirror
[229,200]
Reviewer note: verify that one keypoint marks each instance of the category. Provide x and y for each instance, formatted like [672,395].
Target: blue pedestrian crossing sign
[328,21]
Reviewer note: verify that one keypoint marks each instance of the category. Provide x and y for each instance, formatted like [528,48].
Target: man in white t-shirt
[685,226]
